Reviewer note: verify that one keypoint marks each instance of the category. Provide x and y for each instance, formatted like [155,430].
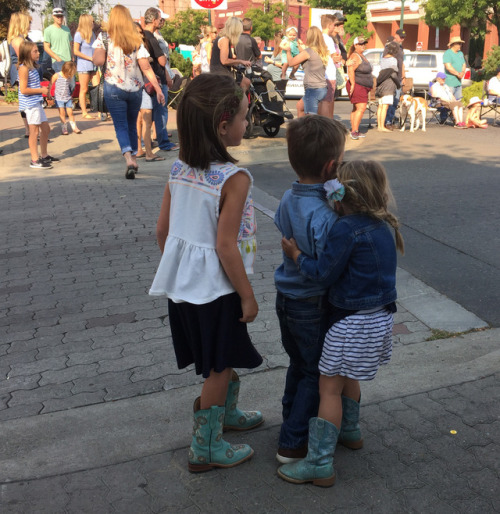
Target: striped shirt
[62,92]
[29,101]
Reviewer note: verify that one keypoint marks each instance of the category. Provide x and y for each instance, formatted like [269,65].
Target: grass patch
[444,334]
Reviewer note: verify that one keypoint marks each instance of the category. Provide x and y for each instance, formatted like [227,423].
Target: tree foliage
[353,10]
[74,9]
[492,62]
[263,23]
[8,7]
[185,27]
[468,13]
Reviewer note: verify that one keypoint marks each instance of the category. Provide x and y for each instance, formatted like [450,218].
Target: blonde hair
[68,69]
[316,41]
[85,26]
[19,25]
[367,191]
[232,30]
[122,31]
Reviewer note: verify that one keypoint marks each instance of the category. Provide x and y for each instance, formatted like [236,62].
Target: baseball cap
[441,75]
[163,15]
[57,11]
[360,40]
[401,33]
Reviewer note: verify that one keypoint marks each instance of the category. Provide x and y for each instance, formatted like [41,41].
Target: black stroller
[267,107]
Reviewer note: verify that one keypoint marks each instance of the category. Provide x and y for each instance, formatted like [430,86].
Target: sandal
[88,116]
[140,156]
[155,159]
[130,172]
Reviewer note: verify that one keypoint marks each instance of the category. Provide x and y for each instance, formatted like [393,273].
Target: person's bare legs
[381,114]
[300,108]
[84,79]
[72,122]
[326,109]
[140,124]
[214,390]
[33,141]
[62,114]
[357,116]
[330,393]
[147,115]
[44,138]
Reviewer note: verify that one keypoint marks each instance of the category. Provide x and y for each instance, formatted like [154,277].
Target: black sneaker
[50,159]
[40,164]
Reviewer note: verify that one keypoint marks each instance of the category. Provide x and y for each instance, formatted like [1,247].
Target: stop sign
[209,4]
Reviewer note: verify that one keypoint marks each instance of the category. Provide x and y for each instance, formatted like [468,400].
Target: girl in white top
[206,232]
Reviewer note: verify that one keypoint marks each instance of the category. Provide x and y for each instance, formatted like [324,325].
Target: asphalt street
[446,185]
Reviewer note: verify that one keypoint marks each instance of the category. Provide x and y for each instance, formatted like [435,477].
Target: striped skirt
[357,345]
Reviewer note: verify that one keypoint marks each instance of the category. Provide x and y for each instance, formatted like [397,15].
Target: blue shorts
[68,104]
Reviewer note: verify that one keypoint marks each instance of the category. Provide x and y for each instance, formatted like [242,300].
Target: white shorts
[147,102]
[386,100]
[35,115]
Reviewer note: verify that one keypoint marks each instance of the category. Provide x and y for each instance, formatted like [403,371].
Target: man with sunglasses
[399,37]
[57,40]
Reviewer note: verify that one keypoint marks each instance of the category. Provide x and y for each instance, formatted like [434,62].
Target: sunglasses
[338,25]
[58,16]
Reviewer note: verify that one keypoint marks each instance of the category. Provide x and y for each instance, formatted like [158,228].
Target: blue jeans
[391,110]
[457,92]
[124,108]
[160,118]
[57,66]
[312,97]
[303,328]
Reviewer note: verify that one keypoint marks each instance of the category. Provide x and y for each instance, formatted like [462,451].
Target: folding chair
[438,111]
[490,104]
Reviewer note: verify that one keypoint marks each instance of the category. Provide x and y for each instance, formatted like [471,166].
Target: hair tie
[334,190]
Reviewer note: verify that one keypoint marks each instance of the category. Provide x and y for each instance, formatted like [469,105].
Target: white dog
[415,108]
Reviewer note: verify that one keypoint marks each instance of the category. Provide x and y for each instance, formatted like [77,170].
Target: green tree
[185,27]
[468,13]
[354,10]
[492,62]
[8,7]
[263,21]
[74,9]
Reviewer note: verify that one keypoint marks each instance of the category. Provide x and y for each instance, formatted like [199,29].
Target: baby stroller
[175,92]
[267,107]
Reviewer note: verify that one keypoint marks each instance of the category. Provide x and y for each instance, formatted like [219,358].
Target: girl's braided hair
[367,191]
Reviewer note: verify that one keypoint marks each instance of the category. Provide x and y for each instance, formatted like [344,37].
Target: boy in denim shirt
[315,149]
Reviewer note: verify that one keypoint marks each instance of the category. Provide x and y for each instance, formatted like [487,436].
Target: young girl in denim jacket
[359,265]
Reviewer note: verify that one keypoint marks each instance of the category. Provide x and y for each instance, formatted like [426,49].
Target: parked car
[423,65]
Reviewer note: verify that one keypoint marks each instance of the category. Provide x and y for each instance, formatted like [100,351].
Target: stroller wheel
[271,130]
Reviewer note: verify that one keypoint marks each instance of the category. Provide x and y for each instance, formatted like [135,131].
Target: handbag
[339,76]
[148,86]
[97,102]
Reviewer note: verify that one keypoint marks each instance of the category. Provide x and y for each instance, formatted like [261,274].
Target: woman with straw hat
[454,66]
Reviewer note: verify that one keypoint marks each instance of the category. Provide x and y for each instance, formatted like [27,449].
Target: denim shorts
[68,104]
[312,97]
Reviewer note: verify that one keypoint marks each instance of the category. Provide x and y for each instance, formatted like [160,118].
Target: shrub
[475,90]
[492,62]
[185,66]
[11,96]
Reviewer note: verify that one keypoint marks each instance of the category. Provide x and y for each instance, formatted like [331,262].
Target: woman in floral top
[125,61]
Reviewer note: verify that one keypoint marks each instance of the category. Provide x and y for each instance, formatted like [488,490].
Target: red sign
[209,4]
[420,45]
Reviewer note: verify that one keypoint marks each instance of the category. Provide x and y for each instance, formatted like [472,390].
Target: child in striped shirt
[64,81]
[359,265]
[31,102]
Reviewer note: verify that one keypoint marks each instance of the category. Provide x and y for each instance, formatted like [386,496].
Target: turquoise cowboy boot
[317,467]
[208,450]
[236,419]
[350,433]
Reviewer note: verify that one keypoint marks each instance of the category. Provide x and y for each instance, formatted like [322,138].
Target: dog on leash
[415,108]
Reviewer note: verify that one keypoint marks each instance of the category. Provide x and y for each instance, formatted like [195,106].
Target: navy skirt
[210,336]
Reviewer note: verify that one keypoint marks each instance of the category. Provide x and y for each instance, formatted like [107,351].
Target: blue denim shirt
[305,215]
[359,260]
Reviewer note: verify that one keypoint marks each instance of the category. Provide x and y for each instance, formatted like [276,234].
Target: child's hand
[285,45]
[250,309]
[290,248]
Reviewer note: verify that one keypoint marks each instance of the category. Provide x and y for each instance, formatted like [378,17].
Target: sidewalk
[95,416]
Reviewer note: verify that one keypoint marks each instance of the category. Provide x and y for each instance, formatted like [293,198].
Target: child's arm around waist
[332,261]
[233,197]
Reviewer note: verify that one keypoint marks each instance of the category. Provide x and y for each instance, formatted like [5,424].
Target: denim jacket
[359,260]
[305,215]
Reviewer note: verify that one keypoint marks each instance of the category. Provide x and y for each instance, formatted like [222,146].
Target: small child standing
[359,266]
[206,232]
[31,102]
[315,149]
[64,88]
[296,45]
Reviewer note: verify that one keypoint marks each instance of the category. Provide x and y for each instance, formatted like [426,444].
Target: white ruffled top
[190,269]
